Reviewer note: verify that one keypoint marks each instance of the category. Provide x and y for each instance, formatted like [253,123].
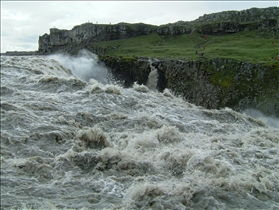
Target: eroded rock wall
[222,83]
[89,32]
[248,15]
[213,84]
[128,71]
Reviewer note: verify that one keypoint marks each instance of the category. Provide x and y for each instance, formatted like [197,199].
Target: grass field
[250,46]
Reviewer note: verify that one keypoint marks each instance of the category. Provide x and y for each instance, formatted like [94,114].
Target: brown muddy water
[72,138]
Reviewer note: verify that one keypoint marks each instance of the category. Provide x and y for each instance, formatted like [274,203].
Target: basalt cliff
[212,83]
[265,19]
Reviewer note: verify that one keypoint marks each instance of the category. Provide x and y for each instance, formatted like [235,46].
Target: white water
[71,142]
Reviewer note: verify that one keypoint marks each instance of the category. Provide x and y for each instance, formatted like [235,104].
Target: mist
[268,120]
[84,65]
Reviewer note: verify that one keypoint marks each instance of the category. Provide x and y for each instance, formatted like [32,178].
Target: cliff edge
[264,19]
[238,70]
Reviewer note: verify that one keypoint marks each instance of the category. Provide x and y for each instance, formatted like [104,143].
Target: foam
[94,138]
[140,88]
[112,89]
[169,134]
[93,145]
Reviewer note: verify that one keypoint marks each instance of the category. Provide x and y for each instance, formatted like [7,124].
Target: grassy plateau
[252,46]
[245,47]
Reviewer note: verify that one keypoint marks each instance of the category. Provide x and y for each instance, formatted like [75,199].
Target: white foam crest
[37,65]
[66,156]
[94,138]
[169,134]
[140,88]
[144,141]
[167,92]
[114,89]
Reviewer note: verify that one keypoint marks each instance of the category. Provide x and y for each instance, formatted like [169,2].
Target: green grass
[247,46]
[244,46]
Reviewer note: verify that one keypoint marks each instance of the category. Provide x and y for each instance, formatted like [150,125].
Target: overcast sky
[22,22]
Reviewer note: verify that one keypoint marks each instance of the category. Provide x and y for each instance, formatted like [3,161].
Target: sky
[22,22]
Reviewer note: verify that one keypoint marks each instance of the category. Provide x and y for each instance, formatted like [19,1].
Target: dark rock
[199,82]
[213,84]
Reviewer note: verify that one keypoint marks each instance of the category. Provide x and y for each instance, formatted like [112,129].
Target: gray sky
[22,22]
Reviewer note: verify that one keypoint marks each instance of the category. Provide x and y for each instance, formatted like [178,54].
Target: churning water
[70,139]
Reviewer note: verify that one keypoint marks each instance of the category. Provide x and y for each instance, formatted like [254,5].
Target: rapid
[73,138]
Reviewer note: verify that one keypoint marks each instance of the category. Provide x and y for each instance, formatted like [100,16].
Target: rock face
[265,19]
[128,71]
[189,80]
[249,15]
[227,22]
[89,32]
[213,84]
[222,83]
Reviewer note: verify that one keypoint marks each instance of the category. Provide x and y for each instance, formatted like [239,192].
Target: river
[73,138]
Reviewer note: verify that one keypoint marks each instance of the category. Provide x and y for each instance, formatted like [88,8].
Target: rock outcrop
[128,71]
[89,32]
[249,15]
[265,19]
[215,83]
[220,83]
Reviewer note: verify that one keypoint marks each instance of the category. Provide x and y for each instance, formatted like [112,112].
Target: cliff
[215,83]
[212,81]
[89,32]
[264,19]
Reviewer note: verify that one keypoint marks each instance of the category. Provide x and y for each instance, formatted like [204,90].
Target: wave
[269,120]
[75,143]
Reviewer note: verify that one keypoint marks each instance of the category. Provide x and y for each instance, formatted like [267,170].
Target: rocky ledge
[214,84]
